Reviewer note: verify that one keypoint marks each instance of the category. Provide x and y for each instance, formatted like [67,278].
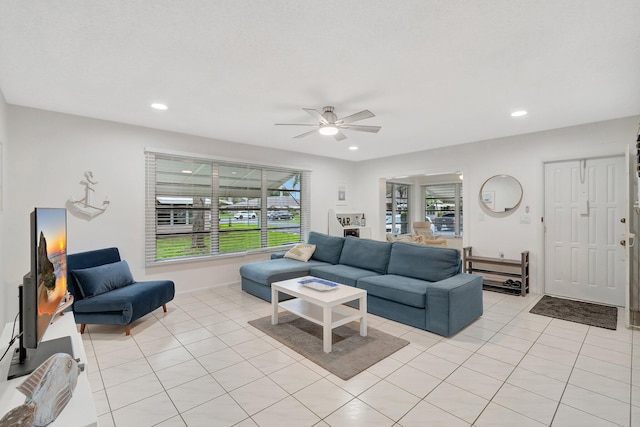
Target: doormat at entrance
[586,313]
[350,353]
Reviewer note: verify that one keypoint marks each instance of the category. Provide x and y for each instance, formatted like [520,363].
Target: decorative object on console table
[48,389]
[80,410]
[347,224]
[498,273]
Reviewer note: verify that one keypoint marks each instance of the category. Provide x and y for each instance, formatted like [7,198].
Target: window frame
[155,214]
[392,205]
[457,208]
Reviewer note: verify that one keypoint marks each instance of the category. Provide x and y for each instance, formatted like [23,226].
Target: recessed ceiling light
[519,113]
[353,147]
[187,171]
[159,106]
[403,176]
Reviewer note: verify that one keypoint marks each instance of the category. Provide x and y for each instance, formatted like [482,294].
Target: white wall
[520,156]
[4,299]
[50,153]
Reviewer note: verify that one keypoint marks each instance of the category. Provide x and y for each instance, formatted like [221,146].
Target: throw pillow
[301,252]
[103,278]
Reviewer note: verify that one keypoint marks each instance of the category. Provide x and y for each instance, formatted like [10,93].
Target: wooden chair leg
[164,307]
[127,330]
[82,328]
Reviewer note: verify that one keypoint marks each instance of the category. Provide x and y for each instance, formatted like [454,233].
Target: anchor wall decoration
[84,207]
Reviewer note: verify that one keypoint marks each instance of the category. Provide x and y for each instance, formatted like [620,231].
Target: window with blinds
[397,213]
[443,205]
[203,207]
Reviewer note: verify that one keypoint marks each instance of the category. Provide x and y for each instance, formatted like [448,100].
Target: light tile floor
[201,364]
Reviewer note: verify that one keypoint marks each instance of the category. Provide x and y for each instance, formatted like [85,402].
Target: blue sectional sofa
[105,292]
[421,286]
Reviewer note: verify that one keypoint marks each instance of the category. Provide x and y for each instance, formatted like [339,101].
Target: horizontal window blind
[444,200]
[201,207]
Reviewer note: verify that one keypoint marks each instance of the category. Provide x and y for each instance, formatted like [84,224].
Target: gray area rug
[350,354]
[586,313]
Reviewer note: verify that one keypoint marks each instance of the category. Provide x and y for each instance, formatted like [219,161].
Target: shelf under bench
[496,271]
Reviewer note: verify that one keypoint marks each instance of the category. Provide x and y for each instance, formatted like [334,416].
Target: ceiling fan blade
[361,128]
[302,135]
[295,124]
[364,114]
[316,115]
[340,136]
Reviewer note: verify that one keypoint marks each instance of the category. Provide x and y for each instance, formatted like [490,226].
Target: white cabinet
[348,224]
[80,411]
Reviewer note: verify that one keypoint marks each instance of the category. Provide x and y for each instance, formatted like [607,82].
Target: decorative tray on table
[319,284]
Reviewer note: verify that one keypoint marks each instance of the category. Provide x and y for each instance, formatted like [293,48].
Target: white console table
[80,411]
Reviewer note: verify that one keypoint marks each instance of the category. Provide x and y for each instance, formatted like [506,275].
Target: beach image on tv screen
[51,264]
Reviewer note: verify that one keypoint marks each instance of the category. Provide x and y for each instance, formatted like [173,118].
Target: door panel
[584,203]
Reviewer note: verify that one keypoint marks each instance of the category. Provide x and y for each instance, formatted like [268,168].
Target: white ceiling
[435,73]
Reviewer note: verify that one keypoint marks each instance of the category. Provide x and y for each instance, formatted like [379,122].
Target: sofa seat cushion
[274,270]
[343,274]
[366,254]
[400,289]
[328,248]
[97,280]
[428,263]
[132,302]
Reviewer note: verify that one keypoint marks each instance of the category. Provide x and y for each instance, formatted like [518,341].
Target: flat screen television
[42,289]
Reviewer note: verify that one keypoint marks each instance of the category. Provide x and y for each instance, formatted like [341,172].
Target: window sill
[205,258]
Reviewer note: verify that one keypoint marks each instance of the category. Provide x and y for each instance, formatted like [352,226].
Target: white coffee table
[321,307]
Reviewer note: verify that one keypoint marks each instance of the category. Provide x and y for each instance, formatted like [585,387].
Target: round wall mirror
[501,193]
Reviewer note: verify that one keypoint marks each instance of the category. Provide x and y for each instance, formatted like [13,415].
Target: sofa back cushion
[430,263]
[366,254]
[328,248]
[103,278]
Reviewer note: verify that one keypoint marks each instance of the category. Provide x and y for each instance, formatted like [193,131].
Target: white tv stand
[80,411]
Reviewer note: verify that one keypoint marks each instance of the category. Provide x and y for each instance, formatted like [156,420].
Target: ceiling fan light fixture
[328,130]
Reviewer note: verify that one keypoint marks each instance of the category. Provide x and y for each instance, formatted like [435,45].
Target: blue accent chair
[105,292]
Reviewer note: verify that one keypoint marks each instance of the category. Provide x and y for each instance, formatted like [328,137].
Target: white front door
[585,223]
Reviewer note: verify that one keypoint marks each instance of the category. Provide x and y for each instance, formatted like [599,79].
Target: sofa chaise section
[257,277]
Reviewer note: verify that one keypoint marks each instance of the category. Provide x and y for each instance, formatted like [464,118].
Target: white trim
[201,156]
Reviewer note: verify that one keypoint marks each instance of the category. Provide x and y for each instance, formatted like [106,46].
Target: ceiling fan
[329,124]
